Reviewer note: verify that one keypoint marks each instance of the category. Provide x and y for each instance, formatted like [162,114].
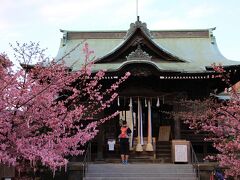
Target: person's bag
[129,132]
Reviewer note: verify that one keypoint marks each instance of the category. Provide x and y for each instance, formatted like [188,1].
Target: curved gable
[138,45]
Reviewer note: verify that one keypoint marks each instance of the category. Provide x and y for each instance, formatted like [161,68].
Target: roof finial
[137,10]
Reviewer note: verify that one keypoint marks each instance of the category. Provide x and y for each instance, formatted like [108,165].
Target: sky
[41,20]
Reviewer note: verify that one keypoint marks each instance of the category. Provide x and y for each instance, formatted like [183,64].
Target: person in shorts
[124,142]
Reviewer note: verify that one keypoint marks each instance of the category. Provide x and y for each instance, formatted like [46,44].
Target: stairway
[140,172]
[163,151]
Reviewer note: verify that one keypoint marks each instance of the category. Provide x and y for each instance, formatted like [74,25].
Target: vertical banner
[121,117]
[129,119]
[149,122]
[134,125]
[141,124]
[149,146]
[139,145]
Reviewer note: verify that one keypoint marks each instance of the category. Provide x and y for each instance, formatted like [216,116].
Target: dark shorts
[124,146]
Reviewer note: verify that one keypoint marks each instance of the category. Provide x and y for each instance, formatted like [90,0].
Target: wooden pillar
[177,128]
[100,143]
[205,151]
[139,146]
[177,122]
[149,146]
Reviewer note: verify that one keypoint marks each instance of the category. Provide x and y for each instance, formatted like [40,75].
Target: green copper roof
[197,48]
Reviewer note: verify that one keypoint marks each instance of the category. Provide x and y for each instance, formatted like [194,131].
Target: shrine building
[166,66]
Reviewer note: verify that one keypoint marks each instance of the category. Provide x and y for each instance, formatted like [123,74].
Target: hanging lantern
[145,102]
[158,102]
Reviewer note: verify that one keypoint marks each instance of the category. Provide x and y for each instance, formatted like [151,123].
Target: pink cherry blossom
[221,121]
[43,109]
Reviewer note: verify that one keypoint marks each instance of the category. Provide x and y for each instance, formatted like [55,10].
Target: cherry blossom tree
[47,111]
[221,121]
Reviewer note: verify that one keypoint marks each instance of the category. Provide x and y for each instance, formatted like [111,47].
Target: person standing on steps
[124,142]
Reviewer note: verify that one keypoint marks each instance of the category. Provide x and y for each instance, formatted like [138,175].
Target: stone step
[163,149]
[116,174]
[140,171]
[164,153]
[139,178]
[143,168]
[165,156]
[163,145]
[132,160]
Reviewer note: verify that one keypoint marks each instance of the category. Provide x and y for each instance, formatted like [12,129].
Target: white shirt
[111,143]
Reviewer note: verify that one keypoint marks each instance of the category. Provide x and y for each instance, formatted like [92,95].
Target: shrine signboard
[181,151]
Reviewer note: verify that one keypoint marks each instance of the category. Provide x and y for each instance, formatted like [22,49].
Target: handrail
[195,162]
[86,159]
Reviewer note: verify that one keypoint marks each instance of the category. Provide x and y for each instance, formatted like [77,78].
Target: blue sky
[40,20]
